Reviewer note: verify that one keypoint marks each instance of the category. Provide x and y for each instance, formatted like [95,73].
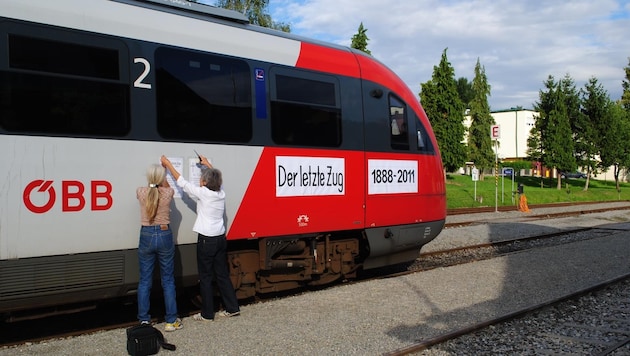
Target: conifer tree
[589,125]
[534,146]
[625,84]
[479,141]
[465,91]
[556,139]
[446,113]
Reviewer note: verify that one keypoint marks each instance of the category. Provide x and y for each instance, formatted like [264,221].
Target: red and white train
[330,164]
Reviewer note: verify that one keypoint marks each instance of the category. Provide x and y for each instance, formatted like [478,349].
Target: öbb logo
[72,195]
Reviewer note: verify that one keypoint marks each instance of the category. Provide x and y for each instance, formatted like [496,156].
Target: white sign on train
[309,176]
[392,176]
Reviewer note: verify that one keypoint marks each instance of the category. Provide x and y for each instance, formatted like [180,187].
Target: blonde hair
[155,177]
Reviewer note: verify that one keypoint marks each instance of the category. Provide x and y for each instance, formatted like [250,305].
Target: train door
[391,163]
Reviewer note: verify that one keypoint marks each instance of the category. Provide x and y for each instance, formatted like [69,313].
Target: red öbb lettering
[44,186]
[105,195]
[72,195]
[72,190]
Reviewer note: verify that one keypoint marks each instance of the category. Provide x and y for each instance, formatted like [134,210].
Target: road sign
[475,174]
[495,132]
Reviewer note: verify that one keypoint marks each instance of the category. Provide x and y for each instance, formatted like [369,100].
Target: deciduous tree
[614,143]
[256,12]
[360,40]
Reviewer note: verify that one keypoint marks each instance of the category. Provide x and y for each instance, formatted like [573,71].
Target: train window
[305,91]
[45,55]
[36,97]
[423,140]
[305,112]
[398,123]
[203,97]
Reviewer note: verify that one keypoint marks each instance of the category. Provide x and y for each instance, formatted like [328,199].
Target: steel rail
[425,344]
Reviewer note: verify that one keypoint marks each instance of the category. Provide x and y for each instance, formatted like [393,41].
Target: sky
[520,43]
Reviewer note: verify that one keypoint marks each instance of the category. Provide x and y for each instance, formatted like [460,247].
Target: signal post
[495,134]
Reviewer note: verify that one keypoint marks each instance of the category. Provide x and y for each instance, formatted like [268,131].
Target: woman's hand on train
[165,161]
[169,166]
[205,161]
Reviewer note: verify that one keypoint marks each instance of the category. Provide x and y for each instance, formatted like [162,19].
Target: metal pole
[516,109]
[516,132]
[513,174]
[496,176]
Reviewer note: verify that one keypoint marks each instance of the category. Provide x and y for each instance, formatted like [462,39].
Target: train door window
[422,136]
[398,124]
[61,87]
[421,139]
[305,109]
[203,97]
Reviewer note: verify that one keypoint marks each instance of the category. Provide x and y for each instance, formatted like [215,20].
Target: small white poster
[178,164]
[194,171]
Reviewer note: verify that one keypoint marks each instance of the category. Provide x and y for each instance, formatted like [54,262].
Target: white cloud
[520,43]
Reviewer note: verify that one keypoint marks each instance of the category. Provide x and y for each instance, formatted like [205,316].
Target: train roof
[205,28]
[147,21]
[213,13]
[193,7]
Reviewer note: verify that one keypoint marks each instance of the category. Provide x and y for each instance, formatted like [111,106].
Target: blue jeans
[156,243]
[211,264]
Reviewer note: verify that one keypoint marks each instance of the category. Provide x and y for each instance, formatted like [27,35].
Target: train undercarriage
[281,264]
[285,263]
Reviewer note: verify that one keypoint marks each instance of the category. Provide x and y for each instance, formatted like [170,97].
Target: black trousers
[212,264]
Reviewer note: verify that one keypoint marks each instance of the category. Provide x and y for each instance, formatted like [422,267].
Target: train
[329,162]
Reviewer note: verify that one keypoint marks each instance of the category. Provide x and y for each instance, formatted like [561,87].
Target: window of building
[203,97]
[305,111]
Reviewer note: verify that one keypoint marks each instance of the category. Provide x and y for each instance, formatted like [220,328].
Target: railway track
[586,322]
[534,215]
[565,325]
[489,209]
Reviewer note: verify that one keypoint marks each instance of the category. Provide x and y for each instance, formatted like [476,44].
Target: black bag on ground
[145,340]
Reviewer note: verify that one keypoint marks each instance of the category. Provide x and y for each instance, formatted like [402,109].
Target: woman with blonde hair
[156,243]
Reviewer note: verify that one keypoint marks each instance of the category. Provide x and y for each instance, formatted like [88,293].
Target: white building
[514,127]
[514,130]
